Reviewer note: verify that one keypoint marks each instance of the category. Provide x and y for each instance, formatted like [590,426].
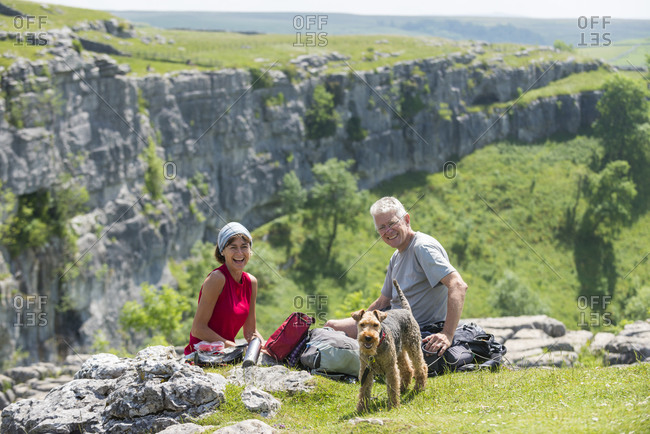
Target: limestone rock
[21,374]
[550,326]
[151,393]
[272,379]
[600,341]
[574,338]
[259,401]
[184,428]
[102,366]
[632,344]
[4,401]
[370,421]
[246,427]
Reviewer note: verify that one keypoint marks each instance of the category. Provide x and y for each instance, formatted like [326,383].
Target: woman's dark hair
[217,254]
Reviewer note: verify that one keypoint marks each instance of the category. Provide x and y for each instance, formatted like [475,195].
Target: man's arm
[439,342]
[381,303]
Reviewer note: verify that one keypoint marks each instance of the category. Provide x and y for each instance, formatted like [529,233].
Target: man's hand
[437,343]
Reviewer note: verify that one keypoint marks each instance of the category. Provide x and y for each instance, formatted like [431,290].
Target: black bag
[471,350]
[229,356]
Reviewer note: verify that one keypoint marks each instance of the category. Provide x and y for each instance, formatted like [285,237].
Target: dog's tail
[403,300]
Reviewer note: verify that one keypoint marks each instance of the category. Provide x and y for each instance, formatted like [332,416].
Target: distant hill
[490,29]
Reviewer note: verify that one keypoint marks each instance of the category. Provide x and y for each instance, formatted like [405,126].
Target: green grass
[53,16]
[571,85]
[533,400]
[631,52]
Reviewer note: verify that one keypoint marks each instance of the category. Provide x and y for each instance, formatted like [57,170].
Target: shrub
[260,79]
[153,175]
[320,119]
[511,296]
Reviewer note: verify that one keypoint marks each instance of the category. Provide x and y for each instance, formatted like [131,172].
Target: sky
[617,9]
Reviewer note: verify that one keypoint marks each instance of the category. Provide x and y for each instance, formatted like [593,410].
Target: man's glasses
[383,228]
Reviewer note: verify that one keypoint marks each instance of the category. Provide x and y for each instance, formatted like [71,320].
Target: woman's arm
[250,326]
[212,287]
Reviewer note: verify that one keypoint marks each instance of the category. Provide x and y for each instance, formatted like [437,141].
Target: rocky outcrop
[150,392]
[83,121]
[155,391]
[534,341]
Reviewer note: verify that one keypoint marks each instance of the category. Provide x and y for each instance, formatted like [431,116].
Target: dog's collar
[382,336]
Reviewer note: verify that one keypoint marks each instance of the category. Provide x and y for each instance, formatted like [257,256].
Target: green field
[628,53]
[578,400]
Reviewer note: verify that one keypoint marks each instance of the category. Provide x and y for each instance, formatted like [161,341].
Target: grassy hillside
[499,217]
[533,401]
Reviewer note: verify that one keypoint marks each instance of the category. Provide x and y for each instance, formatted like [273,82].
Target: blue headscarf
[229,231]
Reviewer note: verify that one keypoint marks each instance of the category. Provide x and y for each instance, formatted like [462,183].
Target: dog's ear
[357,315]
[381,315]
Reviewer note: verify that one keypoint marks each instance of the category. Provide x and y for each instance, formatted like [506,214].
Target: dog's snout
[368,338]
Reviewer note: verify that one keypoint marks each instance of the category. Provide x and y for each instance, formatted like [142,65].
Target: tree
[160,315]
[335,198]
[320,119]
[624,131]
[623,107]
[610,197]
[292,195]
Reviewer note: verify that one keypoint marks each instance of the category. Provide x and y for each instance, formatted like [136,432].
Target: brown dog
[388,343]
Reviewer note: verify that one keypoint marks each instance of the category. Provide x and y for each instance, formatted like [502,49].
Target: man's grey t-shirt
[418,270]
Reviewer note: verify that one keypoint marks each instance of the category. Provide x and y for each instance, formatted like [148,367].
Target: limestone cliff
[88,118]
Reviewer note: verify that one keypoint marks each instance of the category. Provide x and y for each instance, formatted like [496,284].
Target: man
[434,289]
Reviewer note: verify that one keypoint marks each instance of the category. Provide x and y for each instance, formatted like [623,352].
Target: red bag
[288,335]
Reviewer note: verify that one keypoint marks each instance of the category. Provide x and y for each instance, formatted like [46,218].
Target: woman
[228,294]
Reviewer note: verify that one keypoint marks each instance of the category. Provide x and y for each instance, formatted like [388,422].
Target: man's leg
[346,325]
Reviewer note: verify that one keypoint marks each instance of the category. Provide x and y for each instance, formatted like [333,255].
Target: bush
[320,119]
[153,175]
[511,296]
[562,46]
[160,315]
[638,306]
[41,215]
[260,79]
[410,103]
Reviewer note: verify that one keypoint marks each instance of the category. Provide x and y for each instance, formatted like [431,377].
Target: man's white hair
[388,204]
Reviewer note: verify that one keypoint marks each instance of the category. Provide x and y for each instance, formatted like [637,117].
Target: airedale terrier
[388,343]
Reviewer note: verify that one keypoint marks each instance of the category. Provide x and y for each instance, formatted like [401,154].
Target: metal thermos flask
[252,353]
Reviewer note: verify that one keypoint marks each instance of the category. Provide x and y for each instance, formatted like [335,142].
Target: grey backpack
[331,353]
